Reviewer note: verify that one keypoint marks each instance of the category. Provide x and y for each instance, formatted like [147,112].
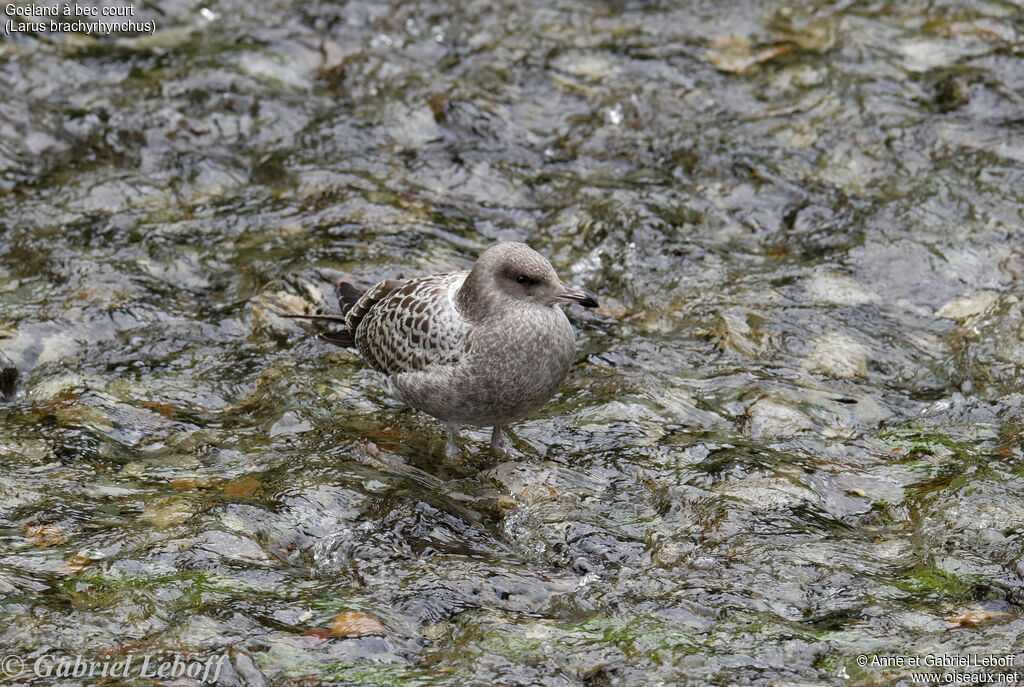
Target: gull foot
[497,444]
[451,450]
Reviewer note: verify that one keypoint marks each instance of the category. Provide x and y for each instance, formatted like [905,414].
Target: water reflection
[792,434]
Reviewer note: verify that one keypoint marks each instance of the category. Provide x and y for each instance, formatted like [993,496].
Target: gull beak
[577,296]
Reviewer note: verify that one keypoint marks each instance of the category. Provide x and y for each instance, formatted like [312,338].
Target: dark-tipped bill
[581,297]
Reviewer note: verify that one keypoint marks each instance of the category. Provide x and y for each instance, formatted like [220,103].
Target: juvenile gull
[485,347]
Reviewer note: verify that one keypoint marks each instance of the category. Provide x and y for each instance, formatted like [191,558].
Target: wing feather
[412,325]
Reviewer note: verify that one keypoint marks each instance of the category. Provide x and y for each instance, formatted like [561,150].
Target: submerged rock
[768,419]
[968,306]
[356,624]
[828,286]
[838,355]
[736,329]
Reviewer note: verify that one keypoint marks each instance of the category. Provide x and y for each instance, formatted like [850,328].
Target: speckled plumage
[485,347]
[406,326]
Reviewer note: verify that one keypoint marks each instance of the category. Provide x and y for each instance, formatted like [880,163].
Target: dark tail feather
[348,295]
[340,337]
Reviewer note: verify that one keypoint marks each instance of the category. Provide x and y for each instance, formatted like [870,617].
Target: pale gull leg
[451,451]
[497,442]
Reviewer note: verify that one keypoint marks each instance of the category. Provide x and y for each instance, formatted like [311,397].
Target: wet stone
[791,436]
[838,355]
[968,306]
[839,289]
[737,330]
[290,423]
[168,512]
[218,547]
[767,419]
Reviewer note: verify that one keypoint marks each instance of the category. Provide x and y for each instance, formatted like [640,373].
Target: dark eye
[522,279]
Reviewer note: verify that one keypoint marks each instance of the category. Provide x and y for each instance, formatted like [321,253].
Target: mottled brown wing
[355,303]
[414,325]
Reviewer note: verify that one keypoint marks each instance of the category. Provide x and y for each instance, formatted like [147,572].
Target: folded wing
[406,326]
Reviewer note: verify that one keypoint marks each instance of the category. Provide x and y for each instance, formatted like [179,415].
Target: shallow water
[793,435]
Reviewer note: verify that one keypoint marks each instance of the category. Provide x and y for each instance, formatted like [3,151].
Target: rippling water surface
[790,449]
